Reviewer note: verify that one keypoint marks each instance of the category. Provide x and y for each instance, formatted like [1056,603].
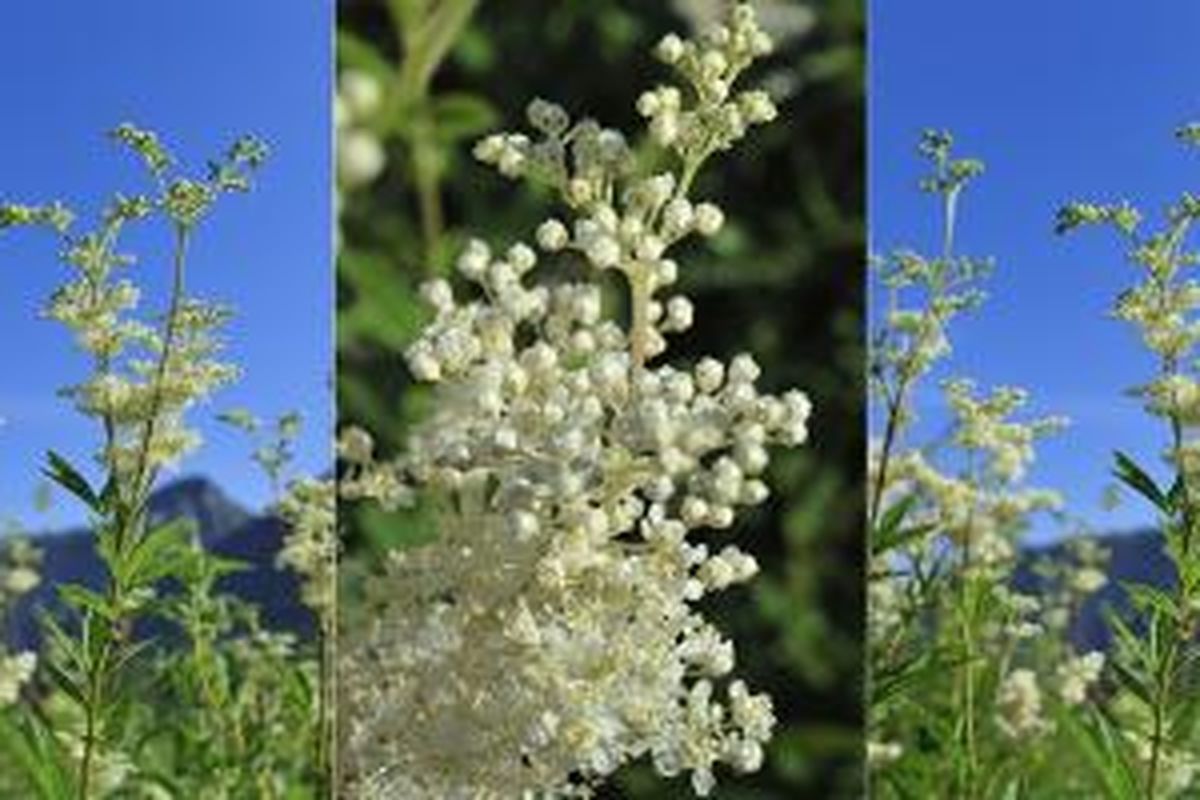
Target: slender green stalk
[424,36]
[966,611]
[142,480]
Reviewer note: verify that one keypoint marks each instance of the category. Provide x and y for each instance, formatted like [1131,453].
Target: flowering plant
[84,716]
[960,653]
[548,633]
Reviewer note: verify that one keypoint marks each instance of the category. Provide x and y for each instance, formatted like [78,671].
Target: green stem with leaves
[127,521]
[425,32]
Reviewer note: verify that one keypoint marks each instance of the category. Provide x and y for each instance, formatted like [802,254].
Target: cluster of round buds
[1019,705]
[960,510]
[710,65]
[18,569]
[1165,315]
[310,546]
[583,160]
[982,425]
[1078,675]
[360,155]
[15,671]
[19,562]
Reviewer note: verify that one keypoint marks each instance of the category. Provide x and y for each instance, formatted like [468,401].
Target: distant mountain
[225,528]
[1136,557]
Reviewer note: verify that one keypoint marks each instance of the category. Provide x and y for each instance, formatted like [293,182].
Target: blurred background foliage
[783,280]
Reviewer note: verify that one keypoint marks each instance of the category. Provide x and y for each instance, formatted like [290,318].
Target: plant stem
[125,522]
[327,709]
[424,43]
[966,610]
[890,432]
[640,288]
[143,476]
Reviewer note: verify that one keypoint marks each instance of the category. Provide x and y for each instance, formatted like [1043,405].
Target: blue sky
[200,74]
[1063,100]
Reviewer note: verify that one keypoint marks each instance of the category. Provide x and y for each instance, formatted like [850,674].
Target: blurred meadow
[783,280]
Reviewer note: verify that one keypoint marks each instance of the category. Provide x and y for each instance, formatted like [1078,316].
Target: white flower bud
[669,49]
[665,129]
[473,262]
[744,369]
[761,44]
[721,517]
[604,252]
[552,236]
[648,104]
[693,511]
[713,63]
[754,493]
[522,257]
[424,366]
[709,375]
[709,219]
[505,439]
[678,216]
[438,294]
[679,314]
[757,107]
[360,157]
[489,149]
[360,93]
[579,191]
[511,163]
[666,272]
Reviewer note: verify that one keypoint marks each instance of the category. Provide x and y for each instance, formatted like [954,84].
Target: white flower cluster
[982,425]
[18,569]
[309,509]
[146,376]
[1163,308]
[880,754]
[550,632]
[783,20]
[1078,675]
[982,510]
[693,121]
[15,672]
[18,576]
[1019,705]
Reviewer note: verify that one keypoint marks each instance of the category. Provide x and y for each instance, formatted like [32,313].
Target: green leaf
[459,115]
[1133,476]
[357,53]
[383,306]
[84,600]
[33,750]
[1150,599]
[61,472]
[1103,750]
[162,552]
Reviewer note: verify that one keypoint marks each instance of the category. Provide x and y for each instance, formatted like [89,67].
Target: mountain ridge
[224,527]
